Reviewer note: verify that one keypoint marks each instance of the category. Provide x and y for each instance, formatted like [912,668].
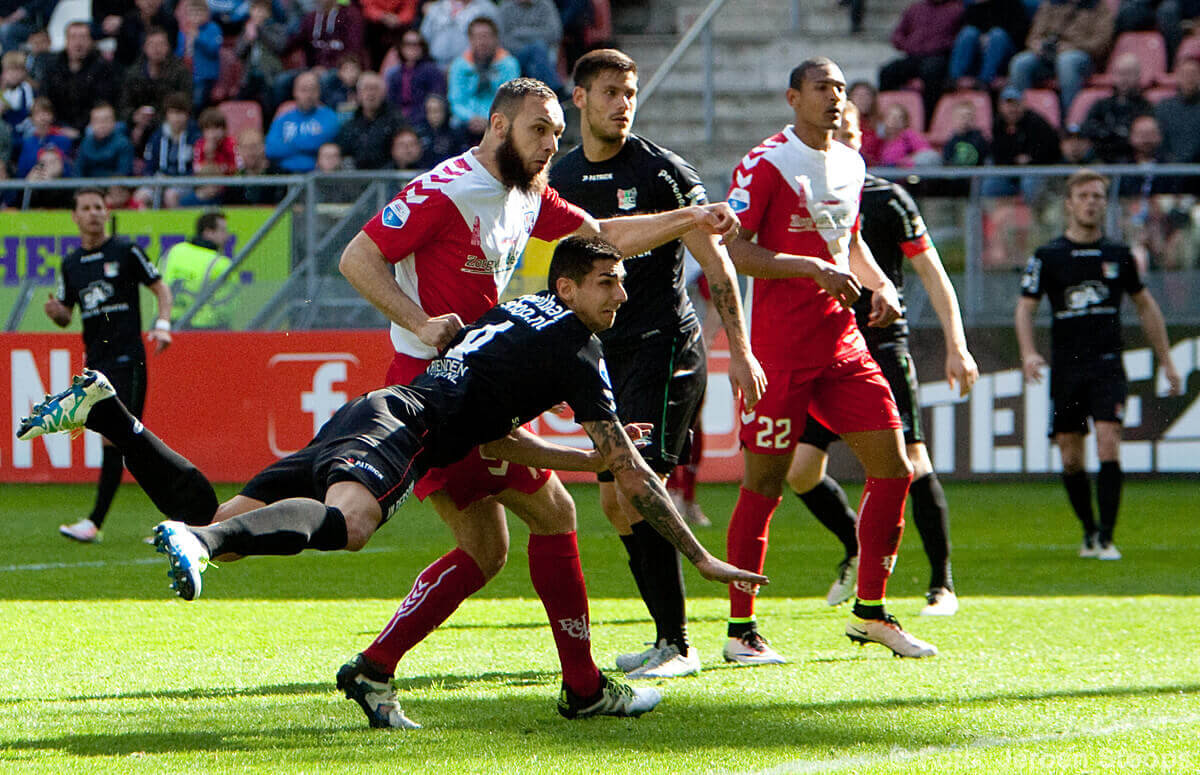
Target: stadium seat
[390,60]
[911,101]
[1045,103]
[942,125]
[1150,50]
[64,13]
[1159,93]
[1083,103]
[241,115]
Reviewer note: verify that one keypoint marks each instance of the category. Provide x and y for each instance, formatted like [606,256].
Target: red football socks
[558,580]
[436,594]
[880,523]
[746,546]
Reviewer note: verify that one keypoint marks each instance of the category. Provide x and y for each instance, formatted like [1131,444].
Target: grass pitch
[1054,664]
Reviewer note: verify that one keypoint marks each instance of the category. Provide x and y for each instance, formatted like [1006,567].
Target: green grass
[1054,664]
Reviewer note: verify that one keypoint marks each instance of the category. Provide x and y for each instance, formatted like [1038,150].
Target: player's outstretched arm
[1032,361]
[528,449]
[745,373]
[160,334]
[647,494]
[961,369]
[1156,331]
[635,234]
[372,276]
[885,301]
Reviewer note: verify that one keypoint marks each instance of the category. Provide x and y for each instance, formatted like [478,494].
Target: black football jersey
[515,362]
[104,283]
[1085,285]
[893,229]
[642,178]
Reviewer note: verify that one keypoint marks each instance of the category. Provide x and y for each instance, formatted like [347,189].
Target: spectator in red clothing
[924,36]
[902,145]
[215,147]
[415,78]
[121,198]
[386,22]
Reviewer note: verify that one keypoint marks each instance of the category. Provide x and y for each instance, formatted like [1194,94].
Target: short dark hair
[1083,177]
[85,191]
[602,60]
[489,21]
[156,30]
[178,101]
[800,72]
[102,105]
[208,221]
[511,95]
[212,118]
[574,256]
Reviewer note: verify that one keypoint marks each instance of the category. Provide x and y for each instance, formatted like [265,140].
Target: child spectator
[1076,147]
[16,92]
[258,48]
[967,146]
[105,151]
[406,150]
[38,132]
[441,140]
[866,99]
[902,145]
[200,42]
[329,158]
[40,57]
[338,92]
[51,164]
[170,149]
[121,198]
[415,78]
[215,147]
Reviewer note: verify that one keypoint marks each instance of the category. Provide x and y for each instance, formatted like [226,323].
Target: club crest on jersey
[530,219]
[626,198]
[739,200]
[476,240]
[112,268]
[395,215]
[1111,269]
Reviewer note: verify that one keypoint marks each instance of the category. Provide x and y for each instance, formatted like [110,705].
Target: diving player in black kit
[894,231]
[516,361]
[1085,276]
[655,351]
[102,276]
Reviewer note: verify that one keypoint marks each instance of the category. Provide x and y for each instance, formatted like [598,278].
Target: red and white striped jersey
[800,201]
[456,233]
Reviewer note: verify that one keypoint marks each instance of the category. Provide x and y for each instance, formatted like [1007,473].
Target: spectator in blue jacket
[200,42]
[295,136]
[105,151]
[475,77]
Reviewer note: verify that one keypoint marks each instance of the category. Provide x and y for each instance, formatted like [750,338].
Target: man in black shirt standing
[102,276]
[518,360]
[655,351]
[1085,276]
[894,231]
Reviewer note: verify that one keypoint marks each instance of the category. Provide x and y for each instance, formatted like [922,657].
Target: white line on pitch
[40,566]
[897,755]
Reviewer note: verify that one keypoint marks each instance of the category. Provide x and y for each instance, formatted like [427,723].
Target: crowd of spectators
[162,88]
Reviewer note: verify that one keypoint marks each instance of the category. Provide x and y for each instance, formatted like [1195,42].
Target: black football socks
[1108,498]
[111,469]
[663,573]
[828,503]
[1079,492]
[285,527]
[176,487]
[932,516]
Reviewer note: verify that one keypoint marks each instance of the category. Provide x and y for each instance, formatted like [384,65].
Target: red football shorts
[475,477]
[847,396]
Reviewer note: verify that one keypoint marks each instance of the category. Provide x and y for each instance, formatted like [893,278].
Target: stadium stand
[1148,47]
[1045,102]
[241,115]
[942,124]
[911,101]
[1084,101]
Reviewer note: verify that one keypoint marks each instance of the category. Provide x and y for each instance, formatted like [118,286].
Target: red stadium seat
[1150,50]
[284,107]
[241,115]
[1159,93]
[1045,103]
[911,100]
[942,125]
[1084,102]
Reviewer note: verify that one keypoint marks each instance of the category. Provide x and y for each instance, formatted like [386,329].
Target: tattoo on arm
[647,493]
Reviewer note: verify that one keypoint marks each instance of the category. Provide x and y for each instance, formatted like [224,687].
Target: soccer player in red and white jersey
[438,256]
[799,191]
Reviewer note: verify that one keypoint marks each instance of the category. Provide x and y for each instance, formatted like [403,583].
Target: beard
[514,172]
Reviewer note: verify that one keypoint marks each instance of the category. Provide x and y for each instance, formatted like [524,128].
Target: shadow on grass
[815,725]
